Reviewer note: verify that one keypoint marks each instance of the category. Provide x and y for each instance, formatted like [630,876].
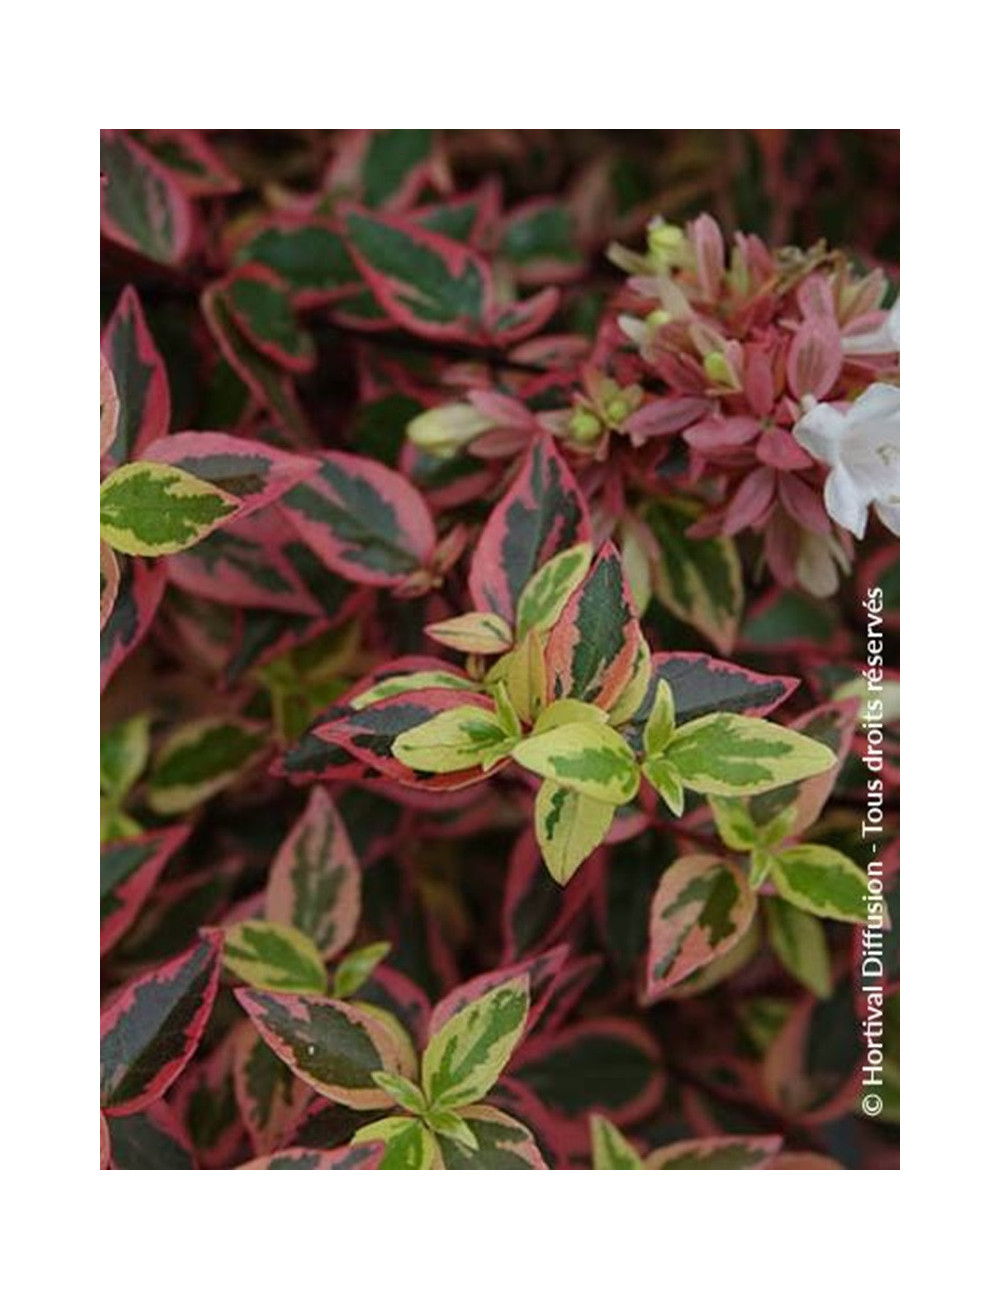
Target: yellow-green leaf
[726,753]
[611,1149]
[662,721]
[201,758]
[822,881]
[663,777]
[568,827]
[408,1143]
[800,943]
[453,740]
[355,968]
[124,753]
[267,955]
[589,757]
[546,594]
[476,633]
[467,1055]
[153,509]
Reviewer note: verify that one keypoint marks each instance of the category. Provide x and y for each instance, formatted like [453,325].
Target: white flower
[861,445]
[878,342]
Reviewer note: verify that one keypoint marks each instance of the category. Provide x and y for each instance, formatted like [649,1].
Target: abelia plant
[499,616]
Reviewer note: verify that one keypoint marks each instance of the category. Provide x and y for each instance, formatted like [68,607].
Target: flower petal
[820,432]
[844,504]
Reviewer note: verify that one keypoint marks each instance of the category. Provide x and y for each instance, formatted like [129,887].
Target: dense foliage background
[359,384]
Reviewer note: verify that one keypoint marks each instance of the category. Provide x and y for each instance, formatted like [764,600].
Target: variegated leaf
[799,941]
[110,580]
[201,758]
[428,284]
[476,633]
[308,252]
[541,515]
[124,753]
[252,472]
[547,592]
[404,683]
[140,590]
[142,206]
[569,826]
[724,753]
[332,1046]
[363,520]
[592,649]
[268,383]
[150,1139]
[355,969]
[822,881]
[501,1142]
[140,380]
[453,741]
[407,1143]
[716,1153]
[589,757]
[467,1054]
[150,509]
[703,685]
[129,870]
[700,580]
[150,1031]
[611,1149]
[702,908]
[365,1155]
[260,304]
[269,1096]
[315,879]
[276,957]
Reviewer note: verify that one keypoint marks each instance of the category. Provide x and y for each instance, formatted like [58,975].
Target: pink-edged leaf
[369,732]
[150,1031]
[153,1138]
[308,252]
[246,564]
[260,304]
[140,380]
[537,911]
[129,870]
[541,514]
[428,284]
[205,1099]
[717,1153]
[315,880]
[519,320]
[701,910]
[592,648]
[363,520]
[140,589]
[385,169]
[541,972]
[366,1155]
[110,579]
[834,725]
[606,1064]
[196,165]
[142,205]
[253,472]
[271,1099]
[503,1143]
[801,1076]
[401,997]
[332,1046]
[539,241]
[701,684]
[270,385]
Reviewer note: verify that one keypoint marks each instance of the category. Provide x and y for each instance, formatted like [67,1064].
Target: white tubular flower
[878,342]
[861,446]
